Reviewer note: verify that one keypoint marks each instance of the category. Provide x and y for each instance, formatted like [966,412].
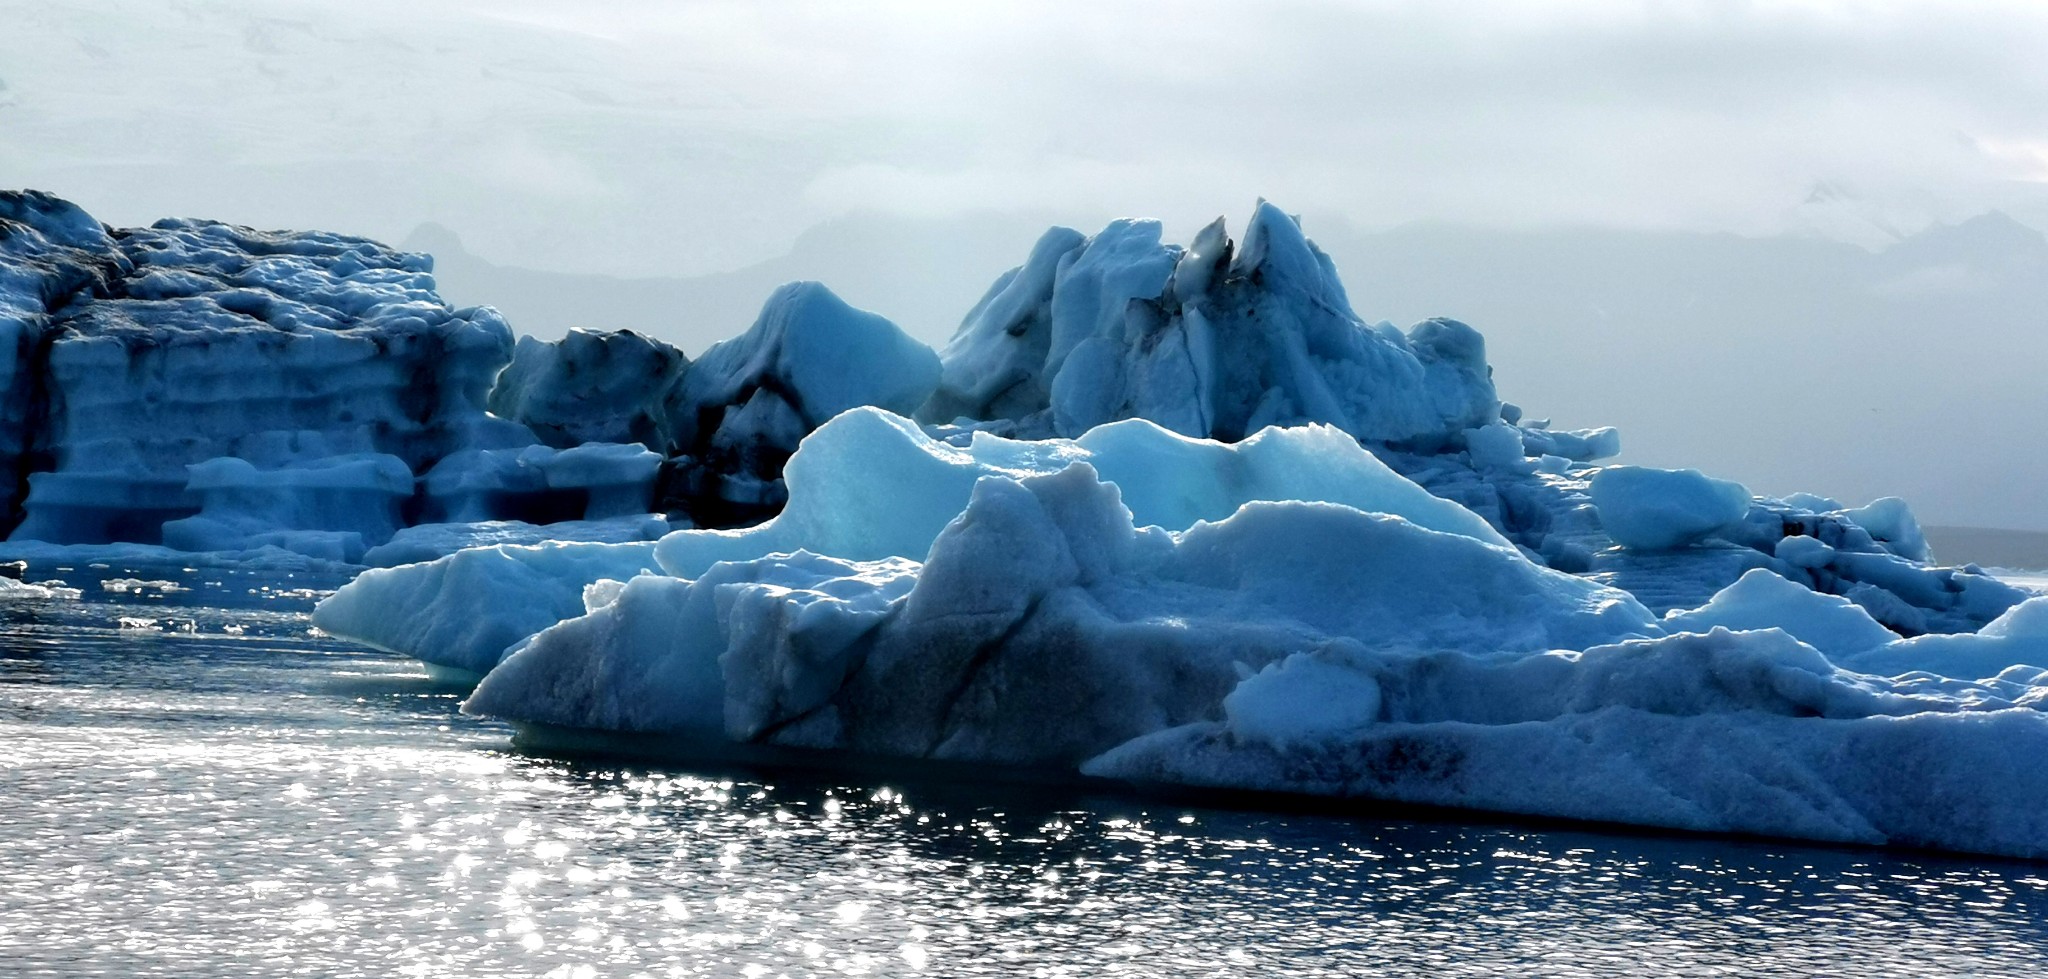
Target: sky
[685,139]
[693,137]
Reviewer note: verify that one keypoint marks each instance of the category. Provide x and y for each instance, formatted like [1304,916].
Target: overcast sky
[677,139]
[687,137]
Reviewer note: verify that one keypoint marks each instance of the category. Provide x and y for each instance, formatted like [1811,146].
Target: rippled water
[189,790]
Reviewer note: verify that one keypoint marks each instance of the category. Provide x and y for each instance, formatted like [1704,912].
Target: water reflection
[249,797]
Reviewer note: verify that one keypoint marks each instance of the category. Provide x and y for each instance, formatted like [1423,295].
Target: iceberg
[1158,514]
[740,410]
[207,386]
[1043,625]
[171,346]
[870,485]
[459,613]
[1661,509]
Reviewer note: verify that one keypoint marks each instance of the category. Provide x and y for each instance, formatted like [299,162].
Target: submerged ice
[1157,513]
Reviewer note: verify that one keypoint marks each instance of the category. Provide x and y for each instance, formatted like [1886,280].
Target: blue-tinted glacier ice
[1217,339]
[213,387]
[870,485]
[1303,647]
[1044,591]
[1166,514]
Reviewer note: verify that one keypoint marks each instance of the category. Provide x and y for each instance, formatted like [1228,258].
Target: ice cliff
[217,388]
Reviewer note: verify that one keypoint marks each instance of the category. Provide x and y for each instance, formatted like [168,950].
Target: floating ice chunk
[871,485]
[1663,509]
[188,341]
[139,586]
[10,590]
[1763,600]
[464,610]
[1044,626]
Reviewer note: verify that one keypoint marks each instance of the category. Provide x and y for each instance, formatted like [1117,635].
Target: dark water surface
[192,790]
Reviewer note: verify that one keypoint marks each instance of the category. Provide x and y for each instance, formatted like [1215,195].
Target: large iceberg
[190,341]
[738,413]
[1166,515]
[1044,625]
[870,485]
[1307,647]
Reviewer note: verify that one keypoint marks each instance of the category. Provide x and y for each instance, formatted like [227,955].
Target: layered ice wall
[161,348]
[50,251]
[1215,340]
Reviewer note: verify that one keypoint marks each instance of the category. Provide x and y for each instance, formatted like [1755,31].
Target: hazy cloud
[702,135]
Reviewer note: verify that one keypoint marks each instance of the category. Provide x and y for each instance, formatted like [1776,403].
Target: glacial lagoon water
[194,782]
